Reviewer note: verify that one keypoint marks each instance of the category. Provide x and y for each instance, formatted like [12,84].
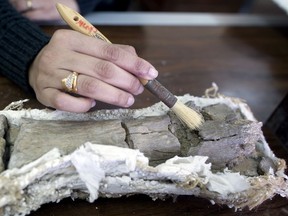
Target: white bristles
[188,116]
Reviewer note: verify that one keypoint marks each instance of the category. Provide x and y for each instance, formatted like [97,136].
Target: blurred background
[268,7]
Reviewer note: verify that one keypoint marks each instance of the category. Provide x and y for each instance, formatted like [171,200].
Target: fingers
[128,48]
[90,87]
[127,60]
[101,91]
[42,10]
[54,98]
[104,71]
[95,88]
[132,63]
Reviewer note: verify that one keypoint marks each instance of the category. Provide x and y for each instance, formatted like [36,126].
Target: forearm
[20,42]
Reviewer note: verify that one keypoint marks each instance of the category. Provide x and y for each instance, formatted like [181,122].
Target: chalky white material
[110,171]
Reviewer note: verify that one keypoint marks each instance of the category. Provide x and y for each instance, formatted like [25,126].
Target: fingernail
[130,101]
[153,72]
[93,103]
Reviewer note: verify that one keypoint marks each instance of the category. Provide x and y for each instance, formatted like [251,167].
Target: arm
[20,42]
[107,72]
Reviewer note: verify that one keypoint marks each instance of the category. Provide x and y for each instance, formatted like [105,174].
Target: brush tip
[191,118]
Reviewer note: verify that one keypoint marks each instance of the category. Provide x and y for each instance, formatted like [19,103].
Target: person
[45,10]
[68,61]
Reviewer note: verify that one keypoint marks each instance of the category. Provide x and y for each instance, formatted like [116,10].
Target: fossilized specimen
[111,153]
[3,129]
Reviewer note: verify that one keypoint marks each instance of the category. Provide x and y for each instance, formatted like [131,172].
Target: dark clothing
[21,40]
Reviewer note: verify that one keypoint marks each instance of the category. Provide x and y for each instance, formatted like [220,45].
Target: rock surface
[3,130]
[245,172]
[225,137]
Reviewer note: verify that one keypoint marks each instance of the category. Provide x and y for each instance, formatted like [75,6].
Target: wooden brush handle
[80,24]
[161,92]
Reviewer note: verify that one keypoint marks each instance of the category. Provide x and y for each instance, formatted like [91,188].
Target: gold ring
[29,5]
[69,83]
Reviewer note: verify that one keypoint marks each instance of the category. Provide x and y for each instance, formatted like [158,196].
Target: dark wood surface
[246,62]
[209,6]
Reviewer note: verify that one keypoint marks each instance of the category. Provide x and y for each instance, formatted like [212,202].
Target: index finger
[113,53]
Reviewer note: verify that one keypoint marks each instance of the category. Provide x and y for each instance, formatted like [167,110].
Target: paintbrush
[188,116]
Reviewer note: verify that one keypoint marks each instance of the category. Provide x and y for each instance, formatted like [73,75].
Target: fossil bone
[123,165]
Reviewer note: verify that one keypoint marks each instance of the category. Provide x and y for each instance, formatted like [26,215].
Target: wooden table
[246,62]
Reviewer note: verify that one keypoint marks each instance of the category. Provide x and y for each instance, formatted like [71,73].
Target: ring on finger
[29,5]
[69,83]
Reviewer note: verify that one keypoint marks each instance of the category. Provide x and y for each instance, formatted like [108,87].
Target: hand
[107,72]
[42,9]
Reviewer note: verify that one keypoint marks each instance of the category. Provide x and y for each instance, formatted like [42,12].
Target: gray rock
[3,130]
[35,138]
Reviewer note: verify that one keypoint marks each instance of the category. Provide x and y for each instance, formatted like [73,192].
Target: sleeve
[20,42]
